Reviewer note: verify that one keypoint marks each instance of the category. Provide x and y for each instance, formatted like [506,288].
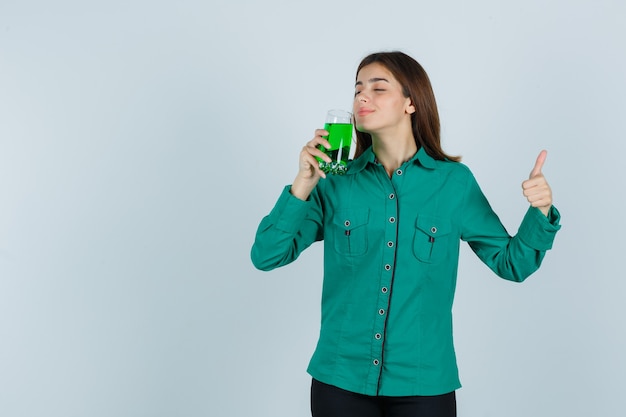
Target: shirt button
[387,267]
[347,223]
[399,172]
[375,362]
[378,336]
[433,230]
[384,290]
[390,244]
[392,220]
[381,312]
[392,196]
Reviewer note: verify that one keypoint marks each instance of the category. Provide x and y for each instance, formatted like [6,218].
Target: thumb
[539,164]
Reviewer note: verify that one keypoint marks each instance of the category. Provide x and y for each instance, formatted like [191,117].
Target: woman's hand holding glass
[309,172]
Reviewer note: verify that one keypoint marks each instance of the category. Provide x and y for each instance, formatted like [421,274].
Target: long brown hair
[415,85]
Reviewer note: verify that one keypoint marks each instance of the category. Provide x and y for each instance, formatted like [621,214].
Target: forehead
[373,71]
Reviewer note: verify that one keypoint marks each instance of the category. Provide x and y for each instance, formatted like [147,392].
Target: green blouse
[391,249]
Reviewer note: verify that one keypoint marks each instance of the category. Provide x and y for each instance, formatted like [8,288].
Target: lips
[364,112]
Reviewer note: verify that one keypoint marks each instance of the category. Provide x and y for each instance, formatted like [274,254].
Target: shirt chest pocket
[350,231]
[432,239]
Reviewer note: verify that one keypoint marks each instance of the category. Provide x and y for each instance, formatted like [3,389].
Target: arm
[513,258]
[296,221]
[291,227]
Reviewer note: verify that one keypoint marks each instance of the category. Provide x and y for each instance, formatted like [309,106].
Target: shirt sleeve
[291,227]
[510,257]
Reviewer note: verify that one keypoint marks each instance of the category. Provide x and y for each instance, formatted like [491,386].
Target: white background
[141,142]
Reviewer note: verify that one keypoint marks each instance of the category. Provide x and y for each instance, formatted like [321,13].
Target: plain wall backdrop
[141,142]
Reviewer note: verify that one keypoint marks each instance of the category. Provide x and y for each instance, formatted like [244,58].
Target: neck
[391,153]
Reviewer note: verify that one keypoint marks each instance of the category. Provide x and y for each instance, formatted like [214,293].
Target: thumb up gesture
[536,188]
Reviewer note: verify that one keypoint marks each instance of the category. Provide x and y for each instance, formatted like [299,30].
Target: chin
[363,128]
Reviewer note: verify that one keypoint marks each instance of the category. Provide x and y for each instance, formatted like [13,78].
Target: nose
[362,98]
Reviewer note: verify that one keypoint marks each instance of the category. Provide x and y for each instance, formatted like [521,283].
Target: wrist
[545,210]
[301,188]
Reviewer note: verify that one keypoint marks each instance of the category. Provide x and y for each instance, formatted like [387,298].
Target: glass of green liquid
[339,127]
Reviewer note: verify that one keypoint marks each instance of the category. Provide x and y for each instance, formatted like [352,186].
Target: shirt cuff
[537,230]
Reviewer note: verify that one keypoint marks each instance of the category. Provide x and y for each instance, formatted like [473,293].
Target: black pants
[330,401]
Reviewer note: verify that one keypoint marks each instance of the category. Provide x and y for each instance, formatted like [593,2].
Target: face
[379,104]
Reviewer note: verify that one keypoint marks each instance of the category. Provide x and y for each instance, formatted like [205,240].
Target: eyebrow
[371,80]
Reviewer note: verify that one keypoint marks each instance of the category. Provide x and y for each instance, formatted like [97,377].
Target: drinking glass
[339,127]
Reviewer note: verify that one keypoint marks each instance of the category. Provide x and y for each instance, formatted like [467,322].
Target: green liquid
[340,138]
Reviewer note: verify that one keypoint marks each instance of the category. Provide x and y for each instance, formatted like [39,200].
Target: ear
[410,108]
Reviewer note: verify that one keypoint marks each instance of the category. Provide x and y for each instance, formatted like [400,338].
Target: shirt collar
[424,159]
[367,157]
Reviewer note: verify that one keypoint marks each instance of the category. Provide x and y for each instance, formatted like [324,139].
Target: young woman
[391,229]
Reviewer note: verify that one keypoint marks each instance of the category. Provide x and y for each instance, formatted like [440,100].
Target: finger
[539,164]
[529,188]
[541,202]
[321,133]
[539,196]
[314,165]
[320,172]
[320,139]
[317,143]
[317,152]
[309,157]
[536,181]
[544,201]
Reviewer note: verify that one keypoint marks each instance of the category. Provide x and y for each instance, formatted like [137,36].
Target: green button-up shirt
[391,249]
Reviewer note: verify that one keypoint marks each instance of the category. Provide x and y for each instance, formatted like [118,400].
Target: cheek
[399,106]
